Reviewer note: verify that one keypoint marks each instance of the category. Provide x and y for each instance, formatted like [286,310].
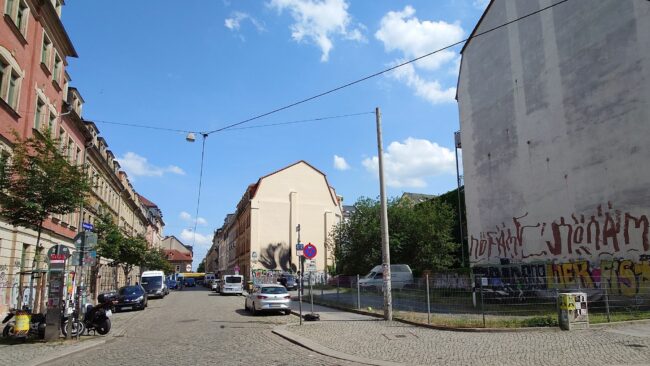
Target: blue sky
[200,65]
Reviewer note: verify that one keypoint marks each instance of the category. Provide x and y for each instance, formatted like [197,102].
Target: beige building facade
[260,237]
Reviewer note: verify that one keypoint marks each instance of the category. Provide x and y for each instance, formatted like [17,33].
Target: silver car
[268,297]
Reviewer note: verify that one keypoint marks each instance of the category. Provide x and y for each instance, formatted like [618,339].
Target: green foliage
[156,260]
[38,181]
[201,267]
[420,236]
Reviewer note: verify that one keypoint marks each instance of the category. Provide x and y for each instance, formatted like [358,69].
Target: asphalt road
[197,327]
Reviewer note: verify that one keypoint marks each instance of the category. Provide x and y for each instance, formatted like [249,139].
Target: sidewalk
[37,353]
[368,340]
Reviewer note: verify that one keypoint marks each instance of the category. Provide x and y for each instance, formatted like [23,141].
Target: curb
[318,348]
[80,346]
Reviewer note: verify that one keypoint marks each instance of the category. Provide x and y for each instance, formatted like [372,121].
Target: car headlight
[140,298]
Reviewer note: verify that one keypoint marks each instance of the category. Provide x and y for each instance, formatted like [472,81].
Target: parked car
[172,284]
[268,298]
[216,285]
[189,282]
[288,281]
[132,297]
[342,281]
[401,276]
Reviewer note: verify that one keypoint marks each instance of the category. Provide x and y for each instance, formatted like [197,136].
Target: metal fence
[472,301]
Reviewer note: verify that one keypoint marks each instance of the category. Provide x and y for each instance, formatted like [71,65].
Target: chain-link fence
[473,301]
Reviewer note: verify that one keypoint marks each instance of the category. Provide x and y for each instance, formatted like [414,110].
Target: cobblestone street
[197,327]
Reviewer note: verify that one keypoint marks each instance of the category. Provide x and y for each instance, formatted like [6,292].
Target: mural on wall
[623,277]
[277,257]
[607,233]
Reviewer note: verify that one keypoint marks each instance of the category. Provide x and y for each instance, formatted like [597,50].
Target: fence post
[358,295]
[338,279]
[428,303]
[607,303]
[482,307]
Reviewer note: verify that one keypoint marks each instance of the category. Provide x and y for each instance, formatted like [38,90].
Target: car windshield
[233,279]
[151,282]
[130,290]
[273,290]
[290,278]
[371,275]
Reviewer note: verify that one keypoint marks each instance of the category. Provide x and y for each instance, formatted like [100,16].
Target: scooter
[96,318]
[36,324]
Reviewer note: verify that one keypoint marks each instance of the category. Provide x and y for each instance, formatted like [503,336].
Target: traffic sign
[87,226]
[86,239]
[89,258]
[310,265]
[299,248]
[309,251]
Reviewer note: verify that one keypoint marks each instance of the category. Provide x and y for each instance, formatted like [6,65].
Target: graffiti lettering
[608,232]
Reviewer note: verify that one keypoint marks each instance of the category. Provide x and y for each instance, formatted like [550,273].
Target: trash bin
[573,312]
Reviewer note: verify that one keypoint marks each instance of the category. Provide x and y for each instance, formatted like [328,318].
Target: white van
[232,284]
[401,275]
[154,283]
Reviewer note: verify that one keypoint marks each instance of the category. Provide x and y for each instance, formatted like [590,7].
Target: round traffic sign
[309,251]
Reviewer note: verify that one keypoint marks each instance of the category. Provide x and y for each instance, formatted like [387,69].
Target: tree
[37,182]
[420,236]
[201,267]
[124,251]
[155,259]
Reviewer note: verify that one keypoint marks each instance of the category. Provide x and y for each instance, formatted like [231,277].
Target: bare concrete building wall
[555,124]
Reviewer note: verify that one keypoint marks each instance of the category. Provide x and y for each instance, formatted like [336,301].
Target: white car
[268,298]
[215,285]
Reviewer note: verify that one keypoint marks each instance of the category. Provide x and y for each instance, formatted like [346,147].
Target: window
[10,79]
[51,124]
[45,51]
[78,156]
[39,114]
[70,149]
[18,11]
[58,65]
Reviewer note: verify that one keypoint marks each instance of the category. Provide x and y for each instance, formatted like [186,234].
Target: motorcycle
[36,324]
[96,318]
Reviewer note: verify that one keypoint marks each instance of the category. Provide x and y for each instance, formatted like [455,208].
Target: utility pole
[385,246]
[460,213]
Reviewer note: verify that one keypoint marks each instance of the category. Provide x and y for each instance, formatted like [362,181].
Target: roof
[175,255]
[253,187]
[146,202]
[417,197]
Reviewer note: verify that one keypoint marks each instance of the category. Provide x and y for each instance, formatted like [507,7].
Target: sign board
[87,226]
[310,251]
[188,268]
[310,265]
[89,258]
[86,239]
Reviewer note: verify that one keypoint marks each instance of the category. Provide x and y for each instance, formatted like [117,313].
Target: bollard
[607,304]
[358,295]
[428,303]
[482,307]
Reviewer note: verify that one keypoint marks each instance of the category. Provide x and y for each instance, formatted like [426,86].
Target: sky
[199,65]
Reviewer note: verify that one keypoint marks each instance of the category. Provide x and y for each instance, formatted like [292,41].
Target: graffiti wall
[276,256]
[623,277]
[605,233]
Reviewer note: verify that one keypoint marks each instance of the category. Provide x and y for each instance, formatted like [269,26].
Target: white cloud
[481,4]
[135,165]
[187,217]
[319,21]
[340,163]
[403,32]
[408,164]
[189,237]
[234,22]
[431,91]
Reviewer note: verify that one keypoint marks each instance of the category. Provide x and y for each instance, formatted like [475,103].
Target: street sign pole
[300,259]
[82,250]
